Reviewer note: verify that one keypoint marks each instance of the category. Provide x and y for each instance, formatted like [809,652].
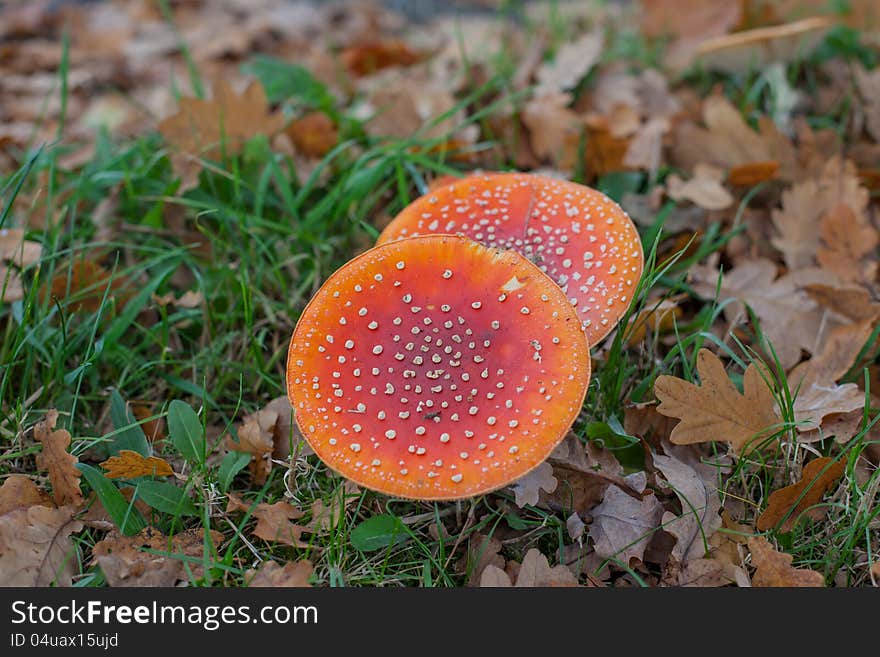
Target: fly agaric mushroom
[582,239]
[437,368]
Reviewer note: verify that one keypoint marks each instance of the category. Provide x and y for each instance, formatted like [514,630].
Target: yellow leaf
[129,464]
[715,409]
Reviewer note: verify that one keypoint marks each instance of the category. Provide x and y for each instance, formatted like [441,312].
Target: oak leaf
[20,492]
[271,574]
[846,240]
[573,60]
[535,571]
[623,525]
[55,458]
[806,203]
[152,559]
[266,434]
[527,489]
[129,464]
[787,504]
[774,568]
[704,189]
[273,521]
[715,410]
[36,548]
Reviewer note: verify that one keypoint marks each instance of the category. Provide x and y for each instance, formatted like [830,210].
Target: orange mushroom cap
[437,368]
[581,238]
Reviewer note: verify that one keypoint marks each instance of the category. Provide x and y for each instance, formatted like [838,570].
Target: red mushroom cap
[581,238]
[437,368]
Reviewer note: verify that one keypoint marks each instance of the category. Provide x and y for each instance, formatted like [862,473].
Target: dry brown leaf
[753,173]
[696,486]
[266,435]
[368,58]
[804,205]
[527,489]
[869,88]
[554,129]
[206,128]
[535,571]
[774,568]
[659,318]
[573,60]
[604,153]
[82,284]
[129,464]
[846,240]
[273,521]
[20,492]
[689,22]
[313,134]
[14,248]
[715,409]
[793,501]
[623,525]
[55,458]
[483,551]
[704,188]
[125,561]
[789,319]
[36,548]
[324,517]
[271,574]
[853,302]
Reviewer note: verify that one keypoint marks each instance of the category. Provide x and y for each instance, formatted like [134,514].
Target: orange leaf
[748,175]
[61,465]
[129,464]
[371,57]
[774,568]
[790,502]
[314,134]
[82,285]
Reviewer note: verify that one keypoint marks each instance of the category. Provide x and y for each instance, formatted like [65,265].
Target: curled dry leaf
[20,492]
[126,561]
[36,548]
[55,458]
[696,486]
[623,525]
[774,568]
[271,574]
[129,464]
[527,489]
[788,504]
[715,409]
[265,435]
[535,571]
[273,521]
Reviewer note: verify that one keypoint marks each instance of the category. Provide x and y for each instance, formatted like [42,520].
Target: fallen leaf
[853,302]
[324,517]
[696,486]
[804,205]
[36,548]
[313,134]
[689,22]
[20,492]
[535,571]
[846,240]
[623,525]
[790,320]
[14,248]
[793,501]
[658,318]
[273,521]
[266,435]
[527,489]
[271,574]
[482,552]
[132,560]
[705,188]
[368,58]
[603,153]
[554,128]
[129,464]
[207,128]
[774,568]
[753,173]
[55,458]
[83,284]
[715,409]
[572,62]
